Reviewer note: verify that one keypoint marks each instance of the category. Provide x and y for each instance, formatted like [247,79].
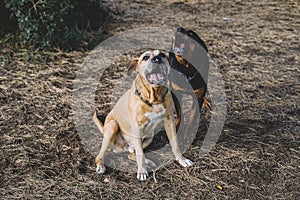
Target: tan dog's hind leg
[170,129]
[110,130]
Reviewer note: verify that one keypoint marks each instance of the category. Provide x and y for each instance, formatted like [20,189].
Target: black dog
[188,57]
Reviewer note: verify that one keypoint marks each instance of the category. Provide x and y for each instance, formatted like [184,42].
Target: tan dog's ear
[132,66]
[167,58]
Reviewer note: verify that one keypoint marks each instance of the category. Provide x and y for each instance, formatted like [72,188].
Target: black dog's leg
[200,102]
[177,104]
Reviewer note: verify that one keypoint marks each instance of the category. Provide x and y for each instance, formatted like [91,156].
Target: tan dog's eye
[146,57]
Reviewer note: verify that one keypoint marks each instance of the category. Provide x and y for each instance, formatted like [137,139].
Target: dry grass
[256,47]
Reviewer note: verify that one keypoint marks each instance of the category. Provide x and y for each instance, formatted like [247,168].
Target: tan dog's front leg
[142,172]
[169,124]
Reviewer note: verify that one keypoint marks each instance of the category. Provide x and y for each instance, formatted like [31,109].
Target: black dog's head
[189,56]
[185,42]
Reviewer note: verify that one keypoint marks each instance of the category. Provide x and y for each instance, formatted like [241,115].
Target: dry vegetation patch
[256,47]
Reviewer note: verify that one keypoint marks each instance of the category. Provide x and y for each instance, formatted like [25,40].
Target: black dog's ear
[181,30]
[132,66]
[194,36]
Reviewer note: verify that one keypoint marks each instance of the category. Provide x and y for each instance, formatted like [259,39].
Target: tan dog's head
[152,66]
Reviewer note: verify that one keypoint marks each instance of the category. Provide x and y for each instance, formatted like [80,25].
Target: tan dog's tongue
[153,77]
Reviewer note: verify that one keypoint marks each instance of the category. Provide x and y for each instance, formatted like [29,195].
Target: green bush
[53,23]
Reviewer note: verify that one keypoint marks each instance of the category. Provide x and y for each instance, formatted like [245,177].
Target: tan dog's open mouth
[157,76]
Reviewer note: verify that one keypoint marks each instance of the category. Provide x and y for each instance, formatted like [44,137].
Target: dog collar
[191,78]
[139,94]
[188,78]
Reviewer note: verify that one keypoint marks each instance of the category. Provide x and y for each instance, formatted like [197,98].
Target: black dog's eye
[146,57]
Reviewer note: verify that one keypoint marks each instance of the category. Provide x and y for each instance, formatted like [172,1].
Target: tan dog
[130,124]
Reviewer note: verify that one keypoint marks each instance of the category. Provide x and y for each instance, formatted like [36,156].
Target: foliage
[51,23]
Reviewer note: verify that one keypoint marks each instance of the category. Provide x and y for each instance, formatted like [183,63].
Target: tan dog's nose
[156,59]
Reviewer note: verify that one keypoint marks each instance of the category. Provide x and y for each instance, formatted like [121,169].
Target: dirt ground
[256,47]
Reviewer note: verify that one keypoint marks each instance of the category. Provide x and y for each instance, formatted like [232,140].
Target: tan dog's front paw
[100,169]
[185,162]
[142,174]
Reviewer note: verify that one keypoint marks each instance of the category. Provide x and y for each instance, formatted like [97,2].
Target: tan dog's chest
[153,119]
[150,121]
